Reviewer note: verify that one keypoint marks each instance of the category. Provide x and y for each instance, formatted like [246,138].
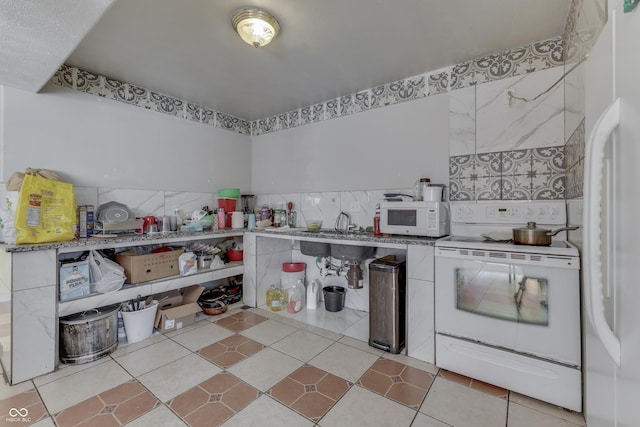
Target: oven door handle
[594,160]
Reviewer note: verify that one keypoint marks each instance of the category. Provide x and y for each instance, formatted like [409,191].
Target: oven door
[526,306]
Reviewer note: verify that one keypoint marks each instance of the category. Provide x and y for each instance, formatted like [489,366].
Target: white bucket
[138,325]
[291,273]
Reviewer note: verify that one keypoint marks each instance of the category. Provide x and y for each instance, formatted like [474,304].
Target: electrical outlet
[355,206]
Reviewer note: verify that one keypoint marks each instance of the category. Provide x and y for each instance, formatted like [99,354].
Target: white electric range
[509,314]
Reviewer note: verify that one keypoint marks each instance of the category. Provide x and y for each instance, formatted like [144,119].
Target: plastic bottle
[296,296]
[221,219]
[376,223]
[275,298]
[270,296]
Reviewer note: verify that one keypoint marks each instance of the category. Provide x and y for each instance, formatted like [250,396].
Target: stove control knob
[542,211]
[528,213]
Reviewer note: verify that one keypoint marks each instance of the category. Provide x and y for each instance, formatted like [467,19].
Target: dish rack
[204,248]
[119,226]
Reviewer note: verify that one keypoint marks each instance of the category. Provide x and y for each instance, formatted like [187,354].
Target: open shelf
[148,288]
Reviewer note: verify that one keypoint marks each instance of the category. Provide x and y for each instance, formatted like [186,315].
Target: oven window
[406,217]
[504,292]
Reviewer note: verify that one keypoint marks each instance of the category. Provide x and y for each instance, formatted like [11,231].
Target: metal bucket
[88,336]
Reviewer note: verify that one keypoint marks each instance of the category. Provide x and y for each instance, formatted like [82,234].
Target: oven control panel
[509,212]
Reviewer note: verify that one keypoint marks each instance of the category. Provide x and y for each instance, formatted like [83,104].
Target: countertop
[330,234]
[178,236]
[124,239]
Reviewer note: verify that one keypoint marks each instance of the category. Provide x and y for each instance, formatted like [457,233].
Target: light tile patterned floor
[252,367]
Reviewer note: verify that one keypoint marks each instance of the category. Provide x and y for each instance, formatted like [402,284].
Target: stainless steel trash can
[387,304]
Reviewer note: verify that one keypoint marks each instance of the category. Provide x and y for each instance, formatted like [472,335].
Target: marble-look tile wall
[324,206]
[146,202]
[503,148]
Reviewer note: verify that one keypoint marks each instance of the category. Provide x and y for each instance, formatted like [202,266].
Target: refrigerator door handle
[604,127]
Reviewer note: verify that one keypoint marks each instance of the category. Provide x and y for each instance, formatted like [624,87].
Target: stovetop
[497,219]
[557,247]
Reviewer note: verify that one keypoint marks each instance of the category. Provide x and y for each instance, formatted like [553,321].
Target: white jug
[313,295]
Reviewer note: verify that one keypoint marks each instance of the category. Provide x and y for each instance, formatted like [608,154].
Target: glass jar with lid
[418,189]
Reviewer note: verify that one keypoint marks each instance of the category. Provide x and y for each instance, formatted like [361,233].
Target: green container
[229,193]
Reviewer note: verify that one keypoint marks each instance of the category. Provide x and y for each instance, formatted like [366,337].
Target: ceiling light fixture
[255,26]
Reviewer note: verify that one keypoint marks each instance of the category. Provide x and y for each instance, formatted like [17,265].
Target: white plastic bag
[106,275]
[8,206]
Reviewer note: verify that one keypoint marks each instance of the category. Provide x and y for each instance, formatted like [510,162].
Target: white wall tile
[34,332]
[462,121]
[140,202]
[187,202]
[420,320]
[574,101]
[86,196]
[539,123]
[34,269]
[324,206]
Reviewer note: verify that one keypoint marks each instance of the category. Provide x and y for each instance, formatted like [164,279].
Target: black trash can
[334,297]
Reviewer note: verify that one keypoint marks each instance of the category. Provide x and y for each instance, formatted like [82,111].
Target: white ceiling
[326,48]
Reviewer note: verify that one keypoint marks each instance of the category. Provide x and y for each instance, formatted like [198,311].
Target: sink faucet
[348,228]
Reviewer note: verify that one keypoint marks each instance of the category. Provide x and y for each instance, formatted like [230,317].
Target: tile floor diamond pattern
[231,350]
[340,385]
[475,384]
[114,407]
[240,321]
[214,401]
[397,381]
[27,400]
[310,391]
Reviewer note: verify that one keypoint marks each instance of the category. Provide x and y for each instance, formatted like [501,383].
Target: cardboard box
[74,280]
[142,268]
[174,317]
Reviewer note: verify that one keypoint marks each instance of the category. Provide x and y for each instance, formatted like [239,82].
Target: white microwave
[415,218]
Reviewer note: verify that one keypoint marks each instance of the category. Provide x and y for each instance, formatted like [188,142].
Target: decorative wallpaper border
[533,174]
[534,57]
[85,81]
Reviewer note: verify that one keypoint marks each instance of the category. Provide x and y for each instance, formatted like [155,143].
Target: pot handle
[554,232]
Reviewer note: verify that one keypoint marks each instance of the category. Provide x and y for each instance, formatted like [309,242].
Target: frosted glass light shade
[256,27]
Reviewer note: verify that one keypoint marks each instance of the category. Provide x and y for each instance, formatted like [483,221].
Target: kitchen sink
[351,252]
[317,249]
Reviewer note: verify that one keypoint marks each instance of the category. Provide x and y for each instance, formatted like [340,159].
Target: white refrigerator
[611,220]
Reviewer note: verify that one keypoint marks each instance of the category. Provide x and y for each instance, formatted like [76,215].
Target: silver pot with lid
[89,335]
[533,235]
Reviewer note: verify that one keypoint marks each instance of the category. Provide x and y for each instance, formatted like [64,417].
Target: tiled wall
[498,150]
[325,206]
[536,174]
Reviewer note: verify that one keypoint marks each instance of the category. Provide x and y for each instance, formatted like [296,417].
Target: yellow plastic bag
[46,211]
